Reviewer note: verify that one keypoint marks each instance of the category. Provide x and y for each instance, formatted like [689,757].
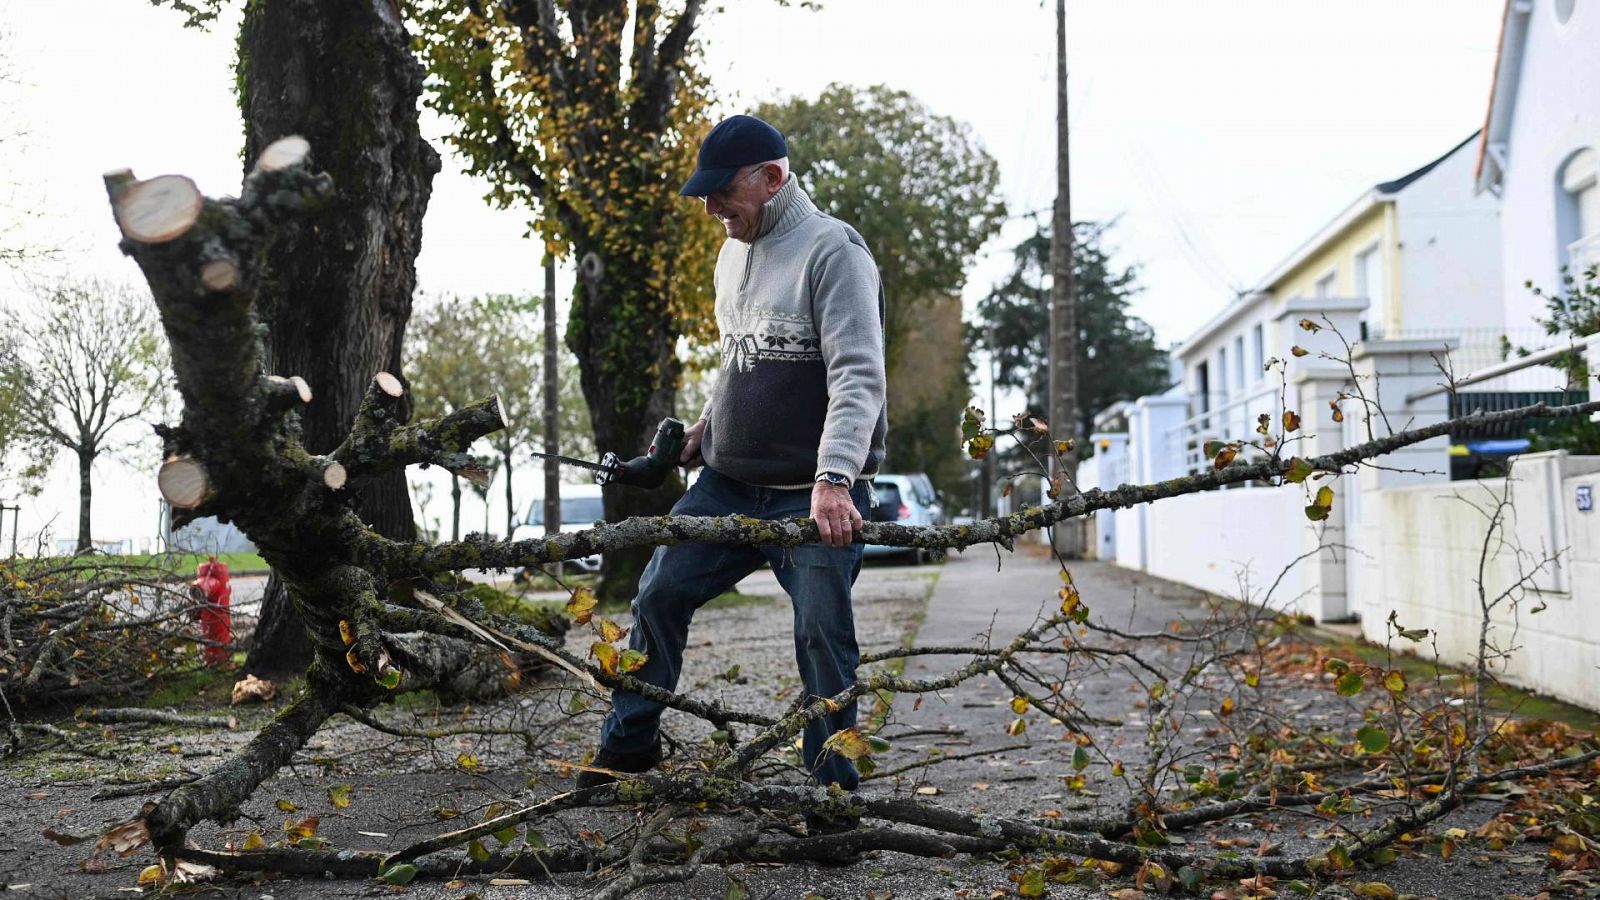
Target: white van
[581,507]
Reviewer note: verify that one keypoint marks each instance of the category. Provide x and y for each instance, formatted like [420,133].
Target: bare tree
[88,360]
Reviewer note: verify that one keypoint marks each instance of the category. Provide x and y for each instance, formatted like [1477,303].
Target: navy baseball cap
[735,143]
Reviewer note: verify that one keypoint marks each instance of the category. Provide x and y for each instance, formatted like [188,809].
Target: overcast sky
[1218,134]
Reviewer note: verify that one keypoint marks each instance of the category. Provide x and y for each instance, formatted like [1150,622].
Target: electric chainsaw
[648,471]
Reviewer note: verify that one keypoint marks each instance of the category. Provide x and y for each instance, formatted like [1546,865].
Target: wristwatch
[835,479]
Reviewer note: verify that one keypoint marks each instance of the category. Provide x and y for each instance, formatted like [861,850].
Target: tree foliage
[87,361]
[592,114]
[925,195]
[465,349]
[917,185]
[1118,358]
[1572,313]
[22,462]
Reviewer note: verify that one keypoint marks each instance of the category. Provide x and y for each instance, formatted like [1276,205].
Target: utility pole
[1063,410]
[552,418]
[986,477]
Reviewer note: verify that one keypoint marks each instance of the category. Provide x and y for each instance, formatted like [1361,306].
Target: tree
[925,195]
[463,350]
[591,113]
[1118,358]
[88,360]
[22,461]
[336,293]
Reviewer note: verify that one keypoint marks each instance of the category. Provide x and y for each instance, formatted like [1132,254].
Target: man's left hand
[835,513]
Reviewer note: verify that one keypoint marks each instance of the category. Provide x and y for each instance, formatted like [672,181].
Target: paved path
[976,603]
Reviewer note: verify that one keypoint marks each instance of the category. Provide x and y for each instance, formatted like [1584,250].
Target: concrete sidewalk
[981,592]
[976,604]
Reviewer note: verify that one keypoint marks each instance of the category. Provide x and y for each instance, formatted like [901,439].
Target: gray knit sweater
[801,387]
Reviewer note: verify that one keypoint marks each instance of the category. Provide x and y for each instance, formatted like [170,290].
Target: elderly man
[794,428]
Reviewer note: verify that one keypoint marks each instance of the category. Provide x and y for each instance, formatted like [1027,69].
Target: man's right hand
[690,457]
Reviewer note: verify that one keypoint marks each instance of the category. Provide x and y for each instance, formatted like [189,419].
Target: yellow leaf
[1069,599]
[1298,350]
[1291,420]
[150,875]
[849,743]
[254,841]
[581,605]
[302,829]
[611,631]
[285,806]
[631,661]
[605,655]
[468,761]
[1227,706]
[347,632]
[1019,705]
[339,795]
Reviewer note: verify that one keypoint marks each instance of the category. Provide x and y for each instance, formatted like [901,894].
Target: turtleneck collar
[787,208]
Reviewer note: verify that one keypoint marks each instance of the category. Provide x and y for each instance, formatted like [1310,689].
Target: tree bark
[511,509]
[85,499]
[336,293]
[624,407]
[455,507]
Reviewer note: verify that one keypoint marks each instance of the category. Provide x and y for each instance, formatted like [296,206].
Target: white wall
[1450,273]
[1234,543]
[1430,551]
[1556,113]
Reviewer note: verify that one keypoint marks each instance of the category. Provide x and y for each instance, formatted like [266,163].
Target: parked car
[907,500]
[581,507]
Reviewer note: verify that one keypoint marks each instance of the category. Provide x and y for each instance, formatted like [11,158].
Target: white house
[1416,257]
[1538,151]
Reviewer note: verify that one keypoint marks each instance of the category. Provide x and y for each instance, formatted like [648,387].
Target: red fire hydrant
[211,590]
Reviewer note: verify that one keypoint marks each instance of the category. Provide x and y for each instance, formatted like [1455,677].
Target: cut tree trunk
[336,293]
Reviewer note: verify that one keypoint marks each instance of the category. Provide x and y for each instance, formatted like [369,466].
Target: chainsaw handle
[650,470]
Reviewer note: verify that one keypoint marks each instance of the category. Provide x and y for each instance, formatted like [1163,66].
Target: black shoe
[632,763]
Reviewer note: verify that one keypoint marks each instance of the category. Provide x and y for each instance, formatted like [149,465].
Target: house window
[1258,357]
[1371,283]
[1563,10]
[1578,209]
[1325,284]
[1238,362]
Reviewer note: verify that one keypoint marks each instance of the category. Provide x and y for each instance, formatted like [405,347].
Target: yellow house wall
[1338,254]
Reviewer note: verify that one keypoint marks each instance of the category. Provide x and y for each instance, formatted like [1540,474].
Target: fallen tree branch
[156,717]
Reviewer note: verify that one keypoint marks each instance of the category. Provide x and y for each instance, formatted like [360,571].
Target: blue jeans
[681,579]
